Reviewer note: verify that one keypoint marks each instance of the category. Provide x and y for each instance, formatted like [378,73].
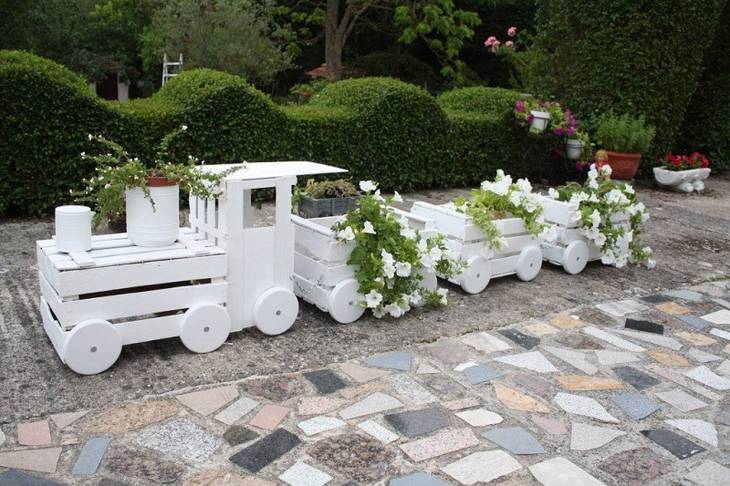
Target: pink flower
[495,45]
[520,106]
[490,41]
[509,44]
[512,31]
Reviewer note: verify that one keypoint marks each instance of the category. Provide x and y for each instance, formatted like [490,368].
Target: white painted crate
[521,255]
[571,250]
[118,293]
[321,274]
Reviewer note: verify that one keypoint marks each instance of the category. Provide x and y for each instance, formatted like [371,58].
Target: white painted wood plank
[326,275]
[82,258]
[151,329]
[310,292]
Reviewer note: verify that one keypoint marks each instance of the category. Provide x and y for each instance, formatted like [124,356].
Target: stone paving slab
[575,409]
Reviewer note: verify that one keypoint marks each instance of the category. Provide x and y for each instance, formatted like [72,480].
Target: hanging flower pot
[540,121]
[574,148]
[154,221]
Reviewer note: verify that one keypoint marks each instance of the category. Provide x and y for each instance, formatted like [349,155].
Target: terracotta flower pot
[624,165]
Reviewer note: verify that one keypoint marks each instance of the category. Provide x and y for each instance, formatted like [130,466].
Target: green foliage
[374,127]
[624,133]
[236,36]
[46,113]
[634,57]
[330,188]
[480,99]
[706,125]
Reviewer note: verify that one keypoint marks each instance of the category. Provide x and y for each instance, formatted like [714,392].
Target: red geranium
[683,162]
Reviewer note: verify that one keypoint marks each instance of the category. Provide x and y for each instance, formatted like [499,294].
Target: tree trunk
[334,41]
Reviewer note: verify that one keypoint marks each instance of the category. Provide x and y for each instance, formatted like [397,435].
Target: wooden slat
[82,258]
[151,329]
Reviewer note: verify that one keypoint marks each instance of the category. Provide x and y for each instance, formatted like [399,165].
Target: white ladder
[166,73]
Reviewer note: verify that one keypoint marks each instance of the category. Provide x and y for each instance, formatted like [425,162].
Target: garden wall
[378,128]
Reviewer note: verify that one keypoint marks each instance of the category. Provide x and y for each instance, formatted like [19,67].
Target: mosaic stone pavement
[635,391]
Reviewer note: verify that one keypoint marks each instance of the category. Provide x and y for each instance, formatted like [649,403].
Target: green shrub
[46,114]
[497,101]
[634,57]
[706,126]
[624,133]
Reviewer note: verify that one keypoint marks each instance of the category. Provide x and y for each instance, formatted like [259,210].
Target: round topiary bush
[480,99]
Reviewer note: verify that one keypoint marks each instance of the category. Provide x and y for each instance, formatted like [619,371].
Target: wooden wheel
[205,327]
[477,275]
[575,257]
[344,302]
[275,311]
[92,347]
[529,263]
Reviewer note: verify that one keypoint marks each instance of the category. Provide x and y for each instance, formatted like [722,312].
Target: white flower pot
[682,180]
[539,121]
[150,226]
[574,148]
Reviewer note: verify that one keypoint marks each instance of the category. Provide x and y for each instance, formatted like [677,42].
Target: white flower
[184,127]
[436,253]
[378,312]
[388,264]
[593,183]
[367,186]
[608,258]
[549,233]
[600,240]
[629,189]
[553,194]
[593,198]
[107,186]
[595,218]
[377,196]
[515,198]
[606,170]
[397,197]
[415,298]
[394,310]
[83,154]
[368,228]
[426,261]
[346,234]
[524,185]
[409,233]
[373,299]
[615,196]
[650,263]
[91,137]
[442,293]
[403,269]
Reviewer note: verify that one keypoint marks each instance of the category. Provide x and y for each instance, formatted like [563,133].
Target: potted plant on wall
[326,198]
[149,195]
[624,138]
[684,173]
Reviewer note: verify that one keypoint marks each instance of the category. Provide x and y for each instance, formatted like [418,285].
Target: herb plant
[624,133]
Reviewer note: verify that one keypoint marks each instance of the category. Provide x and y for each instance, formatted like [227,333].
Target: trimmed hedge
[46,114]
[706,126]
[378,128]
[629,56]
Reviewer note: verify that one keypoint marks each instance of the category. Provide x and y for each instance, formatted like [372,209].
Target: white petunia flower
[515,199]
[549,234]
[553,194]
[379,312]
[397,197]
[378,197]
[409,233]
[368,228]
[184,127]
[373,299]
[368,186]
[403,269]
[442,293]
[524,185]
[595,218]
[346,234]
[394,310]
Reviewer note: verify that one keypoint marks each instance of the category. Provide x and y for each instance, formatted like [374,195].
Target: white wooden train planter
[223,274]
[322,276]
[521,255]
[571,250]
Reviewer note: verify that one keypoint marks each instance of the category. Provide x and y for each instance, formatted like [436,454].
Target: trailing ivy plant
[117,171]
[391,258]
[501,199]
[598,204]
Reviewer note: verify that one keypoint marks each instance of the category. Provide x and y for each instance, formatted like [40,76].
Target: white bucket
[152,227]
[73,228]
[574,148]
[539,120]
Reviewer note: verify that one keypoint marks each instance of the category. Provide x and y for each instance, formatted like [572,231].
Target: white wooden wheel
[477,275]
[92,347]
[575,257]
[205,327]
[275,310]
[529,263]
[344,302]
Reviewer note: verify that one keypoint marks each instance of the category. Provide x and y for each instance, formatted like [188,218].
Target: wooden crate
[321,274]
[521,255]
[571,250]
[118,293]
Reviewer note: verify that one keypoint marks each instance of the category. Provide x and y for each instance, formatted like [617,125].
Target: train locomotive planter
[322,276]
[571,249]
[520,256]
[223,274]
